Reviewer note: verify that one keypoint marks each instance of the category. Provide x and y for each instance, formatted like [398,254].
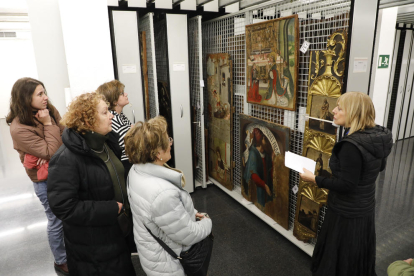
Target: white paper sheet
[297,162]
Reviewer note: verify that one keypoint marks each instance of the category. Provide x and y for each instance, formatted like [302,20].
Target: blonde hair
[359,111]
[111,90]
[82,111]
[144,139]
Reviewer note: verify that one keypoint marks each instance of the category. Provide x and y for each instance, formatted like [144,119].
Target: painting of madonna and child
[272,62]
[265,179]
[220,100]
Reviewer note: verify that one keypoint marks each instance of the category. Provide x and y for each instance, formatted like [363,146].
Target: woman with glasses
[118,99]
[158,201]
[87,191]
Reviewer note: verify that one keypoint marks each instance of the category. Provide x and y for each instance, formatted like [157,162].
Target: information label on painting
[272,62]
[220,118]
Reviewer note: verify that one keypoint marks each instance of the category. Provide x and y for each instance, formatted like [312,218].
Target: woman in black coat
[346,242]
[86,190]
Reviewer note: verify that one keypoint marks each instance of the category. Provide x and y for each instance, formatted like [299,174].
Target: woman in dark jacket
[86,190]
[346,242]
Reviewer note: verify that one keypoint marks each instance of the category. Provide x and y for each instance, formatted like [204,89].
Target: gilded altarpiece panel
[324,88]
[265,179]
[220,118]
[272,52]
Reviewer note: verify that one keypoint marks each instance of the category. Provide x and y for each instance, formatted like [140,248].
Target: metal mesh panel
[145,25]
[226,34]
[195,77]
[161,51]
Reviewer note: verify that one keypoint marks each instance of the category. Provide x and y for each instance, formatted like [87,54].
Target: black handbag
[196,260]
[125,222]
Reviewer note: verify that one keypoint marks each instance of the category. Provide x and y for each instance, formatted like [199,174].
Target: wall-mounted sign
[383,61]
[360,65]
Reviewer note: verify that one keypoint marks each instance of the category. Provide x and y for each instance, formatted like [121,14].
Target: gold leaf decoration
[326,86]
[312,192]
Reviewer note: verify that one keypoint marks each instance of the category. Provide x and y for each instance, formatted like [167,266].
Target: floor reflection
[25,249]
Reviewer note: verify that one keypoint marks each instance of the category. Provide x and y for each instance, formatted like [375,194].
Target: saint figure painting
[220,118]
[272,62]
[265,179]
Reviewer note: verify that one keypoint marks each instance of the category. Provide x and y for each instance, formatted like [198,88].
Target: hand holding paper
[298,162]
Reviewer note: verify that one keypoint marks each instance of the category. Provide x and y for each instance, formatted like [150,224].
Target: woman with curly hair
[86,190]
[118,99]
[36,132]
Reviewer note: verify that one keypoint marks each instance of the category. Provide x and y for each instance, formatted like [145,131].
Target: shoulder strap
[166,247]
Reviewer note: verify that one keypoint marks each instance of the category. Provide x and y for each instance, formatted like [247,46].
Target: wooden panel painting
[272,62]
[265,179]
[321,108]
[309,213]
[220,118]
[143,47]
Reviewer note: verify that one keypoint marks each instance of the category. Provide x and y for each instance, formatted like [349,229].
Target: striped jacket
[121,125]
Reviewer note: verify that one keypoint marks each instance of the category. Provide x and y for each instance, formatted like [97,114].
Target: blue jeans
[54,225]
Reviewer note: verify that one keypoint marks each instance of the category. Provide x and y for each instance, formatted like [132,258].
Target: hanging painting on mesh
[220,118]
[265,179]
[272,62]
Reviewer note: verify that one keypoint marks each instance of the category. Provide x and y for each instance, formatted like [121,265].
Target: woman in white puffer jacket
[158,200]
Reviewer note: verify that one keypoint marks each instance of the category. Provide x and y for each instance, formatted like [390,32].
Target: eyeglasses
[171,140]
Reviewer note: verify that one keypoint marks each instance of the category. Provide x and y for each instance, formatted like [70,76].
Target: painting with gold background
[324,88]
[325,83]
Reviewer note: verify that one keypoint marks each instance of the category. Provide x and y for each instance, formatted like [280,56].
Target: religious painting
[321,108]
[220,118]
[265,179]
[309,202]
[326,69]
[322,162]
[272,52]
[164,102]
[318,147]
[309,213]
[143,47]
[325,83]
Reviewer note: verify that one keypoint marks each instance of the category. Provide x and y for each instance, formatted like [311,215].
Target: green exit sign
[383,61]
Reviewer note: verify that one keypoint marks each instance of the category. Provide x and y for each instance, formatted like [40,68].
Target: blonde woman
[158,200]
[117,98]
[86,190]
[346,242]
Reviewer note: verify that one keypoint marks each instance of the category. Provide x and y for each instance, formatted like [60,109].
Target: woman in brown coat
[36,132]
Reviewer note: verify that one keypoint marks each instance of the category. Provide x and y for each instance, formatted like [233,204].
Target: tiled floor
[244,245]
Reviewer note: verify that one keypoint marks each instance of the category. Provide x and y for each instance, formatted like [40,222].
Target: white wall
[362,42]
[384,45]
[49,50]
[85,26]
[17,61]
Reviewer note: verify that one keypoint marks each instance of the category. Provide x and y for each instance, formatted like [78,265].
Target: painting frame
[144,64]
[265,53]
[220,111]
[269,191]
[326,69]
